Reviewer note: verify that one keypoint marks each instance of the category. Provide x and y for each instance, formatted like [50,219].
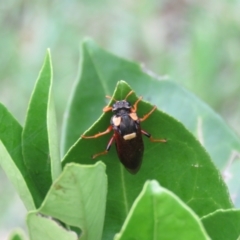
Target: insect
[127,135]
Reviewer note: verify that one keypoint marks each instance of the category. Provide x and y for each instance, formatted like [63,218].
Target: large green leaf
[78,198]
[11,159]
[40,227]
[101,70]
[159,214]
[40,148]
[181,165]
[223,224]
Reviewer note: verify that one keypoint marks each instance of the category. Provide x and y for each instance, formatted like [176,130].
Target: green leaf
[223,224]
[16,177]
[10,135]
[17,234]
[11,159]
[159,214]
[53,138]
[40,148]
[78,198]
[231,177]
[208,127]
[181,165]
[101,70]
[40,228]
[84,108]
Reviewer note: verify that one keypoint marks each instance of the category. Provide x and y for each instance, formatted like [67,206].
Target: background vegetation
[190,42]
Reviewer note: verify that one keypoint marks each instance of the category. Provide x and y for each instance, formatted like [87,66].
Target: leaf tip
[88,43]
[100,165]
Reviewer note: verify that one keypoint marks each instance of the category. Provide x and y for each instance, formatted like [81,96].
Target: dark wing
[130,152]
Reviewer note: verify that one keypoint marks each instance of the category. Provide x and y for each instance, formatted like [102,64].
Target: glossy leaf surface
[159,214]
[99,73]
[11,159]
[78,199]
[101,70]
[181,165]
[223,224]
[40,149]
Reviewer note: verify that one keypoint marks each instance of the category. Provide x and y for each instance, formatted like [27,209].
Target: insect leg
[134,108]
[152,139]
[107,148]
[147,115]
[106,109]
[109,129]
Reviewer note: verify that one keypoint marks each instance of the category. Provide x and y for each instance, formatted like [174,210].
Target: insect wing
[130,152]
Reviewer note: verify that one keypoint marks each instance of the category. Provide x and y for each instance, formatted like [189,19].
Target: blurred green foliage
[195,43]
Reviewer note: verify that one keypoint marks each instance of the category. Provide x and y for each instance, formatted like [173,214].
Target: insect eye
[128,104]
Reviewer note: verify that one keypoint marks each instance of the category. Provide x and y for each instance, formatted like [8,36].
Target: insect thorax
[121,107]
[124,124]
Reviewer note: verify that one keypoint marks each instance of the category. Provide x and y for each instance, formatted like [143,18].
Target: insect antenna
[109,97]
[128,94]
[106,109]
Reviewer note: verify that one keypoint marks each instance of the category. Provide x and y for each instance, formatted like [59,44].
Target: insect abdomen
[130,152]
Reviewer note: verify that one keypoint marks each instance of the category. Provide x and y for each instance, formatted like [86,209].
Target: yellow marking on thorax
[130,136]
[133,116]
[116,120]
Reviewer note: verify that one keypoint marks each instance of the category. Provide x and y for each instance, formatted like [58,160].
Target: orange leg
[152,139]
[134,109]
[107,149]
[106,109]
[147,115]
[109,129]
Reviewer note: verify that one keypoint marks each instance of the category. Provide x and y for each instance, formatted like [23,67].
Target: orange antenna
[128,94]
[109,97]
